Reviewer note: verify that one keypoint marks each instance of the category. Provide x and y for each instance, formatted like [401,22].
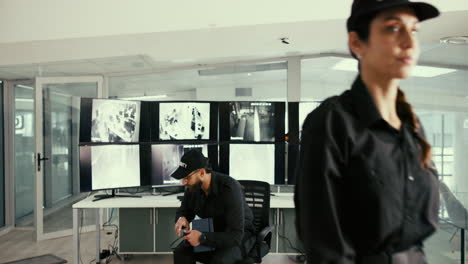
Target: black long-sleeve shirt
[226,204]
[361,189]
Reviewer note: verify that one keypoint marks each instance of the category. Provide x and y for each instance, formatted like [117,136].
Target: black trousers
[184,254]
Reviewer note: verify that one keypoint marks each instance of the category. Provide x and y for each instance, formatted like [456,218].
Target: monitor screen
[184,121]
[112,166]
[252,121]
[165,159]
[115,121]
[252,162]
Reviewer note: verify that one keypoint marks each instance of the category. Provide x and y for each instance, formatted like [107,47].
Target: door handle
[39,159]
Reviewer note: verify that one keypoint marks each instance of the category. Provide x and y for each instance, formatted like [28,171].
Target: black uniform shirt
[226,204]
[361,189]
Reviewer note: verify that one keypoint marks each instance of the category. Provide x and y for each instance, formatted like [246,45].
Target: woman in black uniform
[366,190]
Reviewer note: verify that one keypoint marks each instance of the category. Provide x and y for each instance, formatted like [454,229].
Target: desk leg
[278,222]
[98,235]
[462,245]
[76,235]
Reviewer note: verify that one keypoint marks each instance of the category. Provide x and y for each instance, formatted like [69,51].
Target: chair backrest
[257,196]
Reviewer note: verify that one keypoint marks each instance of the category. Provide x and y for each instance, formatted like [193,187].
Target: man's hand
[182,222]
[193,237]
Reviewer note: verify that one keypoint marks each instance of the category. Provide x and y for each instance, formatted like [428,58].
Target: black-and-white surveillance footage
[251,121]
[115,121]
[166,159]
[184,121]
[245,164]
[115,166]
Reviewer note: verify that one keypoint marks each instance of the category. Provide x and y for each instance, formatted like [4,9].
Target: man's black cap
[190,161]
[366,7]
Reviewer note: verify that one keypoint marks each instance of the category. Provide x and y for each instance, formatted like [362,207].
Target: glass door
[2,162]
[57,152]
[24,149]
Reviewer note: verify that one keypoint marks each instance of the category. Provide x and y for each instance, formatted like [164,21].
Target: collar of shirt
[364,103]
[366,109]
[214,188]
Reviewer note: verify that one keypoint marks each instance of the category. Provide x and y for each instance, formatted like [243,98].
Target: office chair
[458,215]
[455,209]
[257,196]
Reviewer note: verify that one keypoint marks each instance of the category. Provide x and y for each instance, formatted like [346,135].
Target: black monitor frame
[86,173]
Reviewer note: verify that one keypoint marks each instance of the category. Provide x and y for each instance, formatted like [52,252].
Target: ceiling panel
[74,68]
[122,64]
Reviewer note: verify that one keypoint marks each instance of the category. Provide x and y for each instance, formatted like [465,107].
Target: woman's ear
[355,44]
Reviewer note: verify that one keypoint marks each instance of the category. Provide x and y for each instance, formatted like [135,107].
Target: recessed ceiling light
[455,40]
[146,98]
[418,71]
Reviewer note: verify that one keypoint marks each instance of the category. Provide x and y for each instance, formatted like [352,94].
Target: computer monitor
[115,121]
[297,113]
[165,159]
[252,121]
[185,121]
[109,121]
[261,162]
[106,167]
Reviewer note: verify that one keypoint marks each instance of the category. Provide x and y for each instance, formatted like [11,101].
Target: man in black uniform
[213,195]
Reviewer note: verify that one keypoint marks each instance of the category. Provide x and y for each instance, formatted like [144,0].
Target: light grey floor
[20,244]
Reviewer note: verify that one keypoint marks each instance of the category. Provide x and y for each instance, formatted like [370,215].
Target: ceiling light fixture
[251,68]
[351,65]
[146,98]
[455,40]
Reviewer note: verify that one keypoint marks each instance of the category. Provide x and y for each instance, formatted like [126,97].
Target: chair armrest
[265,231]
[260,238]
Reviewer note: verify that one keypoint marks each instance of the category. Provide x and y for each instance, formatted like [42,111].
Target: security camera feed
[252,121]
[115,166]
[304,109]
[184,121]
[165,159]
[115,121]
[252,162]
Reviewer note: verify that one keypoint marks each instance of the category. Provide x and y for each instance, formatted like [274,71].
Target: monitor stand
[173,192]
[106,196]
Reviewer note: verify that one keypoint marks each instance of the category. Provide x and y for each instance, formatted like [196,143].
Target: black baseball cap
[366,7]
[190,161]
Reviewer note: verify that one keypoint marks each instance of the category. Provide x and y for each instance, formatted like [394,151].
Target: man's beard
[195,188]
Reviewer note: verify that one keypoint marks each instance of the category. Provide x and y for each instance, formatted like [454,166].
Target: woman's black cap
[366,7]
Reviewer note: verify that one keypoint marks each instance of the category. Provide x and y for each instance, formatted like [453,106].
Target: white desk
[278,201]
